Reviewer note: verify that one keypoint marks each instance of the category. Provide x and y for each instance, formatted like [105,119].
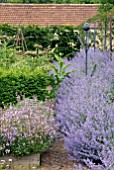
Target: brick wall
[48,14]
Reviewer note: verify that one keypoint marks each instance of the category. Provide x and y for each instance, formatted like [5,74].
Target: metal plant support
[86,29]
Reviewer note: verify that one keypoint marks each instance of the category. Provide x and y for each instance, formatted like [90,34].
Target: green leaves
[61,40]
[0,167]
[36,85]
[106,5]
[60,72]
[28,76]
[53,1]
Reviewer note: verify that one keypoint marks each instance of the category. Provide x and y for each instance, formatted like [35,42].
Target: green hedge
[34,85]
[24,75]
[61,39]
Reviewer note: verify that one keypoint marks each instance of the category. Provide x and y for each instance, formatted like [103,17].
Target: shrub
[60,73]
[63,39]
[85,112]
[106,6]
[27,127]
[60,39]
[30,85]
[8,30]
[23,75]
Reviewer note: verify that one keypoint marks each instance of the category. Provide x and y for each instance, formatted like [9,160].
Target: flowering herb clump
[27,128]
[85,112]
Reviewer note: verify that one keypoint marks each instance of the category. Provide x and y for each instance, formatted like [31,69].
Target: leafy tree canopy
[106,5]
[52,1]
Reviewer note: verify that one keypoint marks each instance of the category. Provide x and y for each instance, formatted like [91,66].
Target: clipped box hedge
[23,75]
[28,85]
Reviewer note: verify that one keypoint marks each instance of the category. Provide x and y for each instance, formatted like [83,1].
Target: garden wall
[48,14]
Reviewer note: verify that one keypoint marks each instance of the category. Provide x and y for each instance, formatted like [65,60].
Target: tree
[52,1]
[3,1]
[106,5]
[28,1]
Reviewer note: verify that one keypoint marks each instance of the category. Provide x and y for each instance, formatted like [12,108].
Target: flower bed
[85,111]
[27,128]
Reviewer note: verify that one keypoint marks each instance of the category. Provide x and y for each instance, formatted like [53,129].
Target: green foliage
[112,99]
[60,73]
[23,75]
[61,40]
[103,21]
[29,75]
[3,1]
[24,147]
[30,85]
[8,30]
[31,1]
[53,1]
[106,5]
[29,129]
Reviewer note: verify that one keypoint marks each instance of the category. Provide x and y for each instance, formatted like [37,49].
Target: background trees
[106,5]
[52,1]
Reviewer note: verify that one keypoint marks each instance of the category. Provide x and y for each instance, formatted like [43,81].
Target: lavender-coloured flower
[85,111]
[29,121]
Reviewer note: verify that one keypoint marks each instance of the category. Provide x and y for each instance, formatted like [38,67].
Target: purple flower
[85,113]
[29,119]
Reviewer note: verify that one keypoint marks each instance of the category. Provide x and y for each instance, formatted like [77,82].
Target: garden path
[56,158]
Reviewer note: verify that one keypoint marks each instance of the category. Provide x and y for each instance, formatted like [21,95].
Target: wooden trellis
[20,42]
